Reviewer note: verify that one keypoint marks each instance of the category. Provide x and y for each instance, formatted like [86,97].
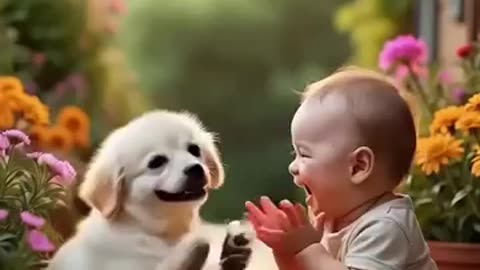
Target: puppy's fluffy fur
[131,226]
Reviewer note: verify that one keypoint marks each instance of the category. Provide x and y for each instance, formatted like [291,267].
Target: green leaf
[460,195]
[438,187]
[423,201]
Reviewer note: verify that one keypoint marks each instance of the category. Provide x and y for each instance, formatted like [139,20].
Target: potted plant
[31,187]
[445,181]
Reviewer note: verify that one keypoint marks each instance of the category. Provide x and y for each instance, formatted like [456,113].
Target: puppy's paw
[236,250]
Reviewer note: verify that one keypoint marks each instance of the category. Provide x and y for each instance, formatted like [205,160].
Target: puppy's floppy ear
[104,189]
[215,166]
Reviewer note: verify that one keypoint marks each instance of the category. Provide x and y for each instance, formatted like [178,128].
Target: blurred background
[234,63]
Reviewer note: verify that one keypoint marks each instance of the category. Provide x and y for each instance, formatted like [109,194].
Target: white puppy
[145,186]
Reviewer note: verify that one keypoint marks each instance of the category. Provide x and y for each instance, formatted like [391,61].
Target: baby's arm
[316,257]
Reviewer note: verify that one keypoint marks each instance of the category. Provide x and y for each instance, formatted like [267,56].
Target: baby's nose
[293,168]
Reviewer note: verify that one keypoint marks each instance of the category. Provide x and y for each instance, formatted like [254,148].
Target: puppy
[145,186]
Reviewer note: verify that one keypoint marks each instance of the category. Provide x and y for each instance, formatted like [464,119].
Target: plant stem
[419,89]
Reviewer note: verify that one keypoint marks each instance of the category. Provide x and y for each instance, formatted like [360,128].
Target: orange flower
[10,84]
[59,138]
[39,135]
[468,121]
[7,117]
[436,151]
[444,119]
[473,103]
[34,111]
[76,121]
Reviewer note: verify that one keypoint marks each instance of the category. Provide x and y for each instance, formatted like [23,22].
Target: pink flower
[444,77]
[404,49]
[117,6]
[31,219]
[3,214]
[39,242]
[402,72]
[4,144]
[16,136]
[65,172]
[34,155]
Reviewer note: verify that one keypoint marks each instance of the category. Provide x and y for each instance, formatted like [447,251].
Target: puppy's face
[158,160]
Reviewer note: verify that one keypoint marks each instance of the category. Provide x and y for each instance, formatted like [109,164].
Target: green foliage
[26,186]
[236,64]
[370,23]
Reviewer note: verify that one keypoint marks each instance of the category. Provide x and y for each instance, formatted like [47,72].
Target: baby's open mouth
[182,196]
[307,189]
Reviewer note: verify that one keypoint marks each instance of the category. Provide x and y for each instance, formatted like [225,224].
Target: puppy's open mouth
[183,196]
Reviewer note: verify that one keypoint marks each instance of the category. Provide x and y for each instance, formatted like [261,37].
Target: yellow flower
[77,122]
[10,84]
[59,138]
[468,121]
[7,116]
[444,119]
[473,103]
[437,150]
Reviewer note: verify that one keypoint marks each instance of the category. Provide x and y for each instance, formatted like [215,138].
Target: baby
[354,139]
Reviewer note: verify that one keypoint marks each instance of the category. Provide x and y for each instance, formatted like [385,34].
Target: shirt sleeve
[380,245]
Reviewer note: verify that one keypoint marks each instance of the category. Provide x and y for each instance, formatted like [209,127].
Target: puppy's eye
[157,162]
[194,150]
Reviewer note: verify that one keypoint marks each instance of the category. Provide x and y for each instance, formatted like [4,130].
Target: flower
[76,121]
[458,95]
[16,136]
[3,214]
[7,117]
[444,119]
[4,142]
[405,49]
[34,111]
[444,77]
[10,84]
[39,135]
[402,72]
[39,242]
[34,155]
[468,121]
[465,51]
[59,138]
[473,103]
[62,169]
[476,162]
[32,220]
[437,150]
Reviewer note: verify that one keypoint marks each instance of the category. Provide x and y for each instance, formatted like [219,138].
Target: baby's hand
[286,230]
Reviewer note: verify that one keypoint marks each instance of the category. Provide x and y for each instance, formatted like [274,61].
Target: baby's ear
[215,166]
[362,161]
[104,188]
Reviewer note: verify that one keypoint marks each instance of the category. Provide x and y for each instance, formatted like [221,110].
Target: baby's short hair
[380,111]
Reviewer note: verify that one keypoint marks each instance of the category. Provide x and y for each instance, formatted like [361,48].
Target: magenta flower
[403,49]
[16,136]
[31,219]
[3,214]
[65,172]
[39,241]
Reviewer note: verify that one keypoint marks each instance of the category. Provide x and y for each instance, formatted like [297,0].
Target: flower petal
[31,219]
[39,241]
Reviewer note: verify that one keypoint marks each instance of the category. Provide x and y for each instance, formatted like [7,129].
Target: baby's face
[323,139]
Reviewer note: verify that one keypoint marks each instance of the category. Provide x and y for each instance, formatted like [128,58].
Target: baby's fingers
[295,217]
[254,214]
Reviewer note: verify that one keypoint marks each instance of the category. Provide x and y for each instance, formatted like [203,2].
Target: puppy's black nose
[196,178]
